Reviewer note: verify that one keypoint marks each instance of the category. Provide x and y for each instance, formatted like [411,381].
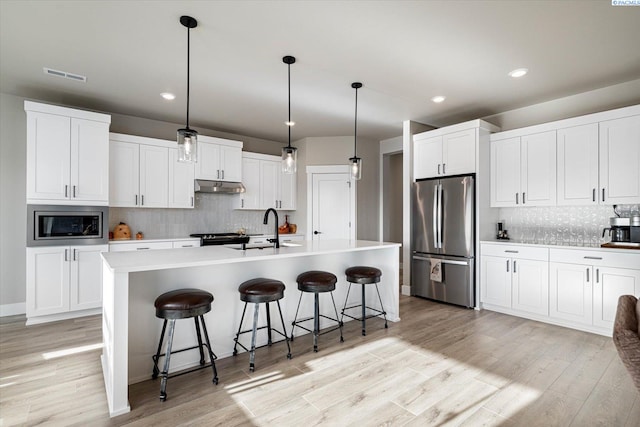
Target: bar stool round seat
[364,275]
[316,282]
[258,291]
[261,290]
[182,304]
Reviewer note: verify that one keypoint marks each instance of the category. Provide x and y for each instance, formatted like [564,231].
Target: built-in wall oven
[58,225]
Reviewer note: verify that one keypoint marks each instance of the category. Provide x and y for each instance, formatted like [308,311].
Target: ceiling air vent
[64,74]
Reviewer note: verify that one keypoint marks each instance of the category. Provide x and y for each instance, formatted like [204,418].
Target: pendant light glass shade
[188,138]
[356,167]
[187,145]
[289,153]
[355,164]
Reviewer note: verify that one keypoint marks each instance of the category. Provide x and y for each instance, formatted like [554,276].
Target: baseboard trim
[13,309]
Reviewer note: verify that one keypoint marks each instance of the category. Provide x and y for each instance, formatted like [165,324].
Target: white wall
[336,150]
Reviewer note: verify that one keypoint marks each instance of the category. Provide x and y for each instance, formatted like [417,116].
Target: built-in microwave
[55,225]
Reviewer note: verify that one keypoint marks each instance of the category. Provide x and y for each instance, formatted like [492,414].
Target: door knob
[317,232]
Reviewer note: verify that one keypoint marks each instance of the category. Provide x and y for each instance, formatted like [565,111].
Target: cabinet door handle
[510,251]
[438,168]
[514,266]
[507,266]
[142,200]
[187,246]
[136,200]
[523,199]
[242,203]
[593,195]
[218,173]
[443,168]
[222,173]
[597,275]
[66,255]
[66,193]
[603,194]
[191,201]
[141,249]
[593,257]
[74,191]
[517,194]
[74,255]
[588,275]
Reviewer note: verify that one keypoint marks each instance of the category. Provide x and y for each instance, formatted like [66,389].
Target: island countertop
[133,280]
[163,259]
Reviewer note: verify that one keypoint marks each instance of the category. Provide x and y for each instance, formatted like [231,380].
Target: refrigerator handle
[435,216]
[440,215]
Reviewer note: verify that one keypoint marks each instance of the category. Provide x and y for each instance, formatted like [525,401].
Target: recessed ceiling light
[168,96]
[518,72]
[438,99]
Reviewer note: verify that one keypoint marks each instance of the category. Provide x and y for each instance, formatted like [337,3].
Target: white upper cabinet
[144,172]
[449,154]
[577,156]
[181,176]
[67,155]
[585,160]
[523,170]
[266,185]
[505,172]
[219,159]
[620,160]
[538,169]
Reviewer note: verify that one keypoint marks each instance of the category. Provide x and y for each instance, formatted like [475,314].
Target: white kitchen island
[132,281]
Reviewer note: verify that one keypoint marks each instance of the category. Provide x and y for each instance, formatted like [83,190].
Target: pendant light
[355,161]
[188,138]
[289,153]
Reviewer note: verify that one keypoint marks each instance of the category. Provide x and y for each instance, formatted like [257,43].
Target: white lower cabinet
[576,288]
[515,278]
[63,279]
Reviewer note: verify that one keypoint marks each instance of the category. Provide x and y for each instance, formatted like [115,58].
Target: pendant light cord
[355,132]
[289,85]
[188,69]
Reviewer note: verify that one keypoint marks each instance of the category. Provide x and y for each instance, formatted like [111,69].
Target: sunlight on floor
[425,383]
[70,351]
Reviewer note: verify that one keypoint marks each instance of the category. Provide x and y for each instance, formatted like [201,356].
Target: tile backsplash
[562,225]
[213,213]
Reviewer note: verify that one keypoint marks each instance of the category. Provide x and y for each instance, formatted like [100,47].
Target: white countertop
[162,259]
[559,246]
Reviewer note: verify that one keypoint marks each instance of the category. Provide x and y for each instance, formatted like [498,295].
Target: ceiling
[404,52]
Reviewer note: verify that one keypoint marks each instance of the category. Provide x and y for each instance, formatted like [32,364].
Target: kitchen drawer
[194,243]
[140,246]
[515,251]
[597,258]
[291,238]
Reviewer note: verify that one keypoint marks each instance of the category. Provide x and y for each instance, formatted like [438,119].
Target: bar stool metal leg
[384,313]
[284,330]
[156,371]
[364,313]
[293,324]
[316,320]
[235,346]
[340,324]
[269,337]
[252,352]
[199,335]
[165,372]
[212,355]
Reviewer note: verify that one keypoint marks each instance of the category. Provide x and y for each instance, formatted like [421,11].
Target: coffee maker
[635,230]
[619,230]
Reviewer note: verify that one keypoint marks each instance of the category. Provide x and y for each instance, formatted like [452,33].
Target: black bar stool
[258,291]
[316,282]
[364,276]
[182,304]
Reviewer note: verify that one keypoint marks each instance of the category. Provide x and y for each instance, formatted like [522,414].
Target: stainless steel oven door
[57,225]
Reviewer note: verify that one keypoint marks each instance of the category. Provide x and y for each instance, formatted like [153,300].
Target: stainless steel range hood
[222,187]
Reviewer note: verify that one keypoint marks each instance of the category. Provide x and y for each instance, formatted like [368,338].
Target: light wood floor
[440,365]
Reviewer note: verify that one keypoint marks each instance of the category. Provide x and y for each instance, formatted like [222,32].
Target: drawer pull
[141,249]
[187,246]
[593,257]
[509,251]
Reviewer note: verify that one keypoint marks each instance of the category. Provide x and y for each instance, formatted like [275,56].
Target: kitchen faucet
[275,241]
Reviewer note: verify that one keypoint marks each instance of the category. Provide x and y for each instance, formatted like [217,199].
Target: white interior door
[333,206]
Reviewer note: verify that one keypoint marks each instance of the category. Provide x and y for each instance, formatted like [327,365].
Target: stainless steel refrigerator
[443,240]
